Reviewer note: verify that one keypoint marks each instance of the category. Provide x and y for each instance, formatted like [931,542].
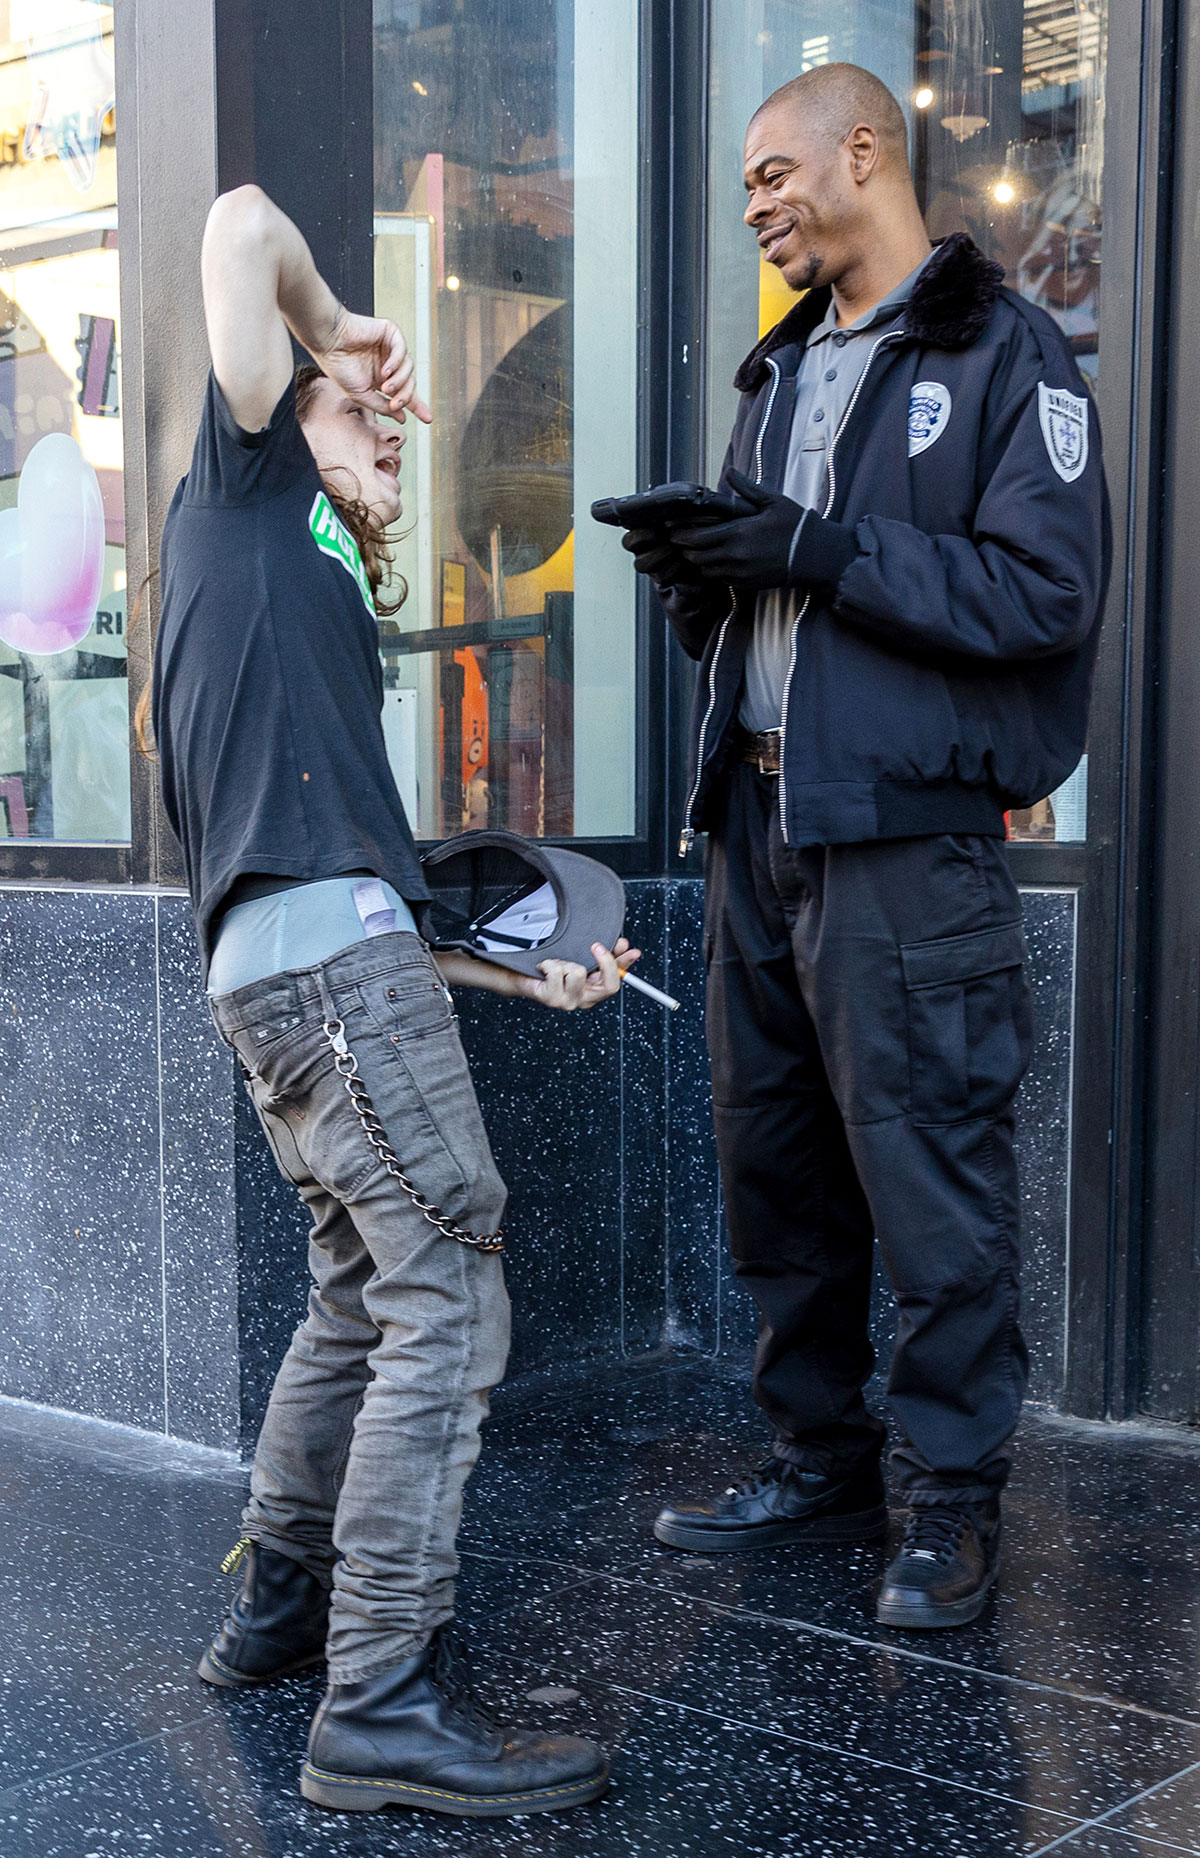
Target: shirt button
[818,416]
[840,340]
[831,374]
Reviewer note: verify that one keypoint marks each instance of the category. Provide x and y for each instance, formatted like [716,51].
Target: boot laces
[761,1478]
[934,1533]
[452,1676]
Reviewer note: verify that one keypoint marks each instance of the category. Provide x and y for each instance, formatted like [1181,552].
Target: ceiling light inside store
[1004,191]
[962,128]
[453,283]
[923,98]
[419,88]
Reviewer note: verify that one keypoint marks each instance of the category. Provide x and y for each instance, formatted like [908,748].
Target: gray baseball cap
[517,902]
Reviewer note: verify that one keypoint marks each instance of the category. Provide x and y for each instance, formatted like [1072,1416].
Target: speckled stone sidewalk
[752,1705]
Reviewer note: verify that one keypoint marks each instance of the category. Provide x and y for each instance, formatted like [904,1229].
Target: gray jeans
[373,1425]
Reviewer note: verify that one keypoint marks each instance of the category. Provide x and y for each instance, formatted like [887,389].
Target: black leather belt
[763,751]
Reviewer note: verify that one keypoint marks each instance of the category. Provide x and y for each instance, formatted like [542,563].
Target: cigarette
[651,993]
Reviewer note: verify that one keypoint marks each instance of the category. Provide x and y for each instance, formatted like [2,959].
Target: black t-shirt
[267,684]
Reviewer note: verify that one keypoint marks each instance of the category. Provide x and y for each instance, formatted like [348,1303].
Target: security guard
[896,637]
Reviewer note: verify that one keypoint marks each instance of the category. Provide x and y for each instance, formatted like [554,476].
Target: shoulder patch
[333,538]
[929,407]
[1064,420]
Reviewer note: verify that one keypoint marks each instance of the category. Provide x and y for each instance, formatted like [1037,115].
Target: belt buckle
[774,755]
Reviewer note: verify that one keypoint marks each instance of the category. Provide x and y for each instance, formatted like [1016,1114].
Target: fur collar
[950,307]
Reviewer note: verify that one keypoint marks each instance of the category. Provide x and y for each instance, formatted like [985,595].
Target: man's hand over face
[568,985]
[369,359]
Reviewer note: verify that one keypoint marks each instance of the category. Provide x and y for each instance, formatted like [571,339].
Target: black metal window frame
[217,95]
[1113,874]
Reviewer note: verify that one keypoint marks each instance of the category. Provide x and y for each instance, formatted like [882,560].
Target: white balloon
[52,551]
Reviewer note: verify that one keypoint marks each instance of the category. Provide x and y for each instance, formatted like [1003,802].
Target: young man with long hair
[308,895]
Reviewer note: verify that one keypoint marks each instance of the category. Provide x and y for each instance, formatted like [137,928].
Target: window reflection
[1005,102]
[506,234]
[64,757]
[1009,148]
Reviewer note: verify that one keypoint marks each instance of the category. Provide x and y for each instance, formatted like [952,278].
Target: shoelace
[758,1480]
[452,1676]
[933,1534]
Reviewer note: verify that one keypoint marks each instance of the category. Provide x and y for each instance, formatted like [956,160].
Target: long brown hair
[369,536]
[363,525]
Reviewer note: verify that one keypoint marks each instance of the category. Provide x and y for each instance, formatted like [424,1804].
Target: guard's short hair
[831,100]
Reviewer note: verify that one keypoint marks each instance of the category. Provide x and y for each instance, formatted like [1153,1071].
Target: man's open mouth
[771,242]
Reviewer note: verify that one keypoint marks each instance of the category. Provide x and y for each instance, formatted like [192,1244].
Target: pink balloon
[52,551]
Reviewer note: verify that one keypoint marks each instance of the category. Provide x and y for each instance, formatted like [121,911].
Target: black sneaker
[275,1626]
[780,1503]
[945,1569]
[415,1736]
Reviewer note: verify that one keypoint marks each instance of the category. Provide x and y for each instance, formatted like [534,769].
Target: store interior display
[64,709]
[479,138]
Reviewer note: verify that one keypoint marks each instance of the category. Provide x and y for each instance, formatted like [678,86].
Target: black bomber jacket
[945,675]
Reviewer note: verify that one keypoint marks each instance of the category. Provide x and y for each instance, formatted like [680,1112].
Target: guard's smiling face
[798,198]
[356,453]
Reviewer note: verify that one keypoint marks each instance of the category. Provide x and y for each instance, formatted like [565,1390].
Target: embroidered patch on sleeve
[333,538]
[1064,420]
[929,407]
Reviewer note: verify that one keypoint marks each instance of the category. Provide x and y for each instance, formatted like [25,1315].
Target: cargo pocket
[970,1023]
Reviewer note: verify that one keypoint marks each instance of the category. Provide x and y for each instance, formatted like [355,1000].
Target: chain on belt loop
[346,1065]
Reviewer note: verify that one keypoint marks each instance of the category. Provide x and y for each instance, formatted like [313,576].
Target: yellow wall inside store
[526,593]
[775,298]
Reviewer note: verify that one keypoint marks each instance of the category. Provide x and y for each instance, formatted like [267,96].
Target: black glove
[657,557]
[780,545]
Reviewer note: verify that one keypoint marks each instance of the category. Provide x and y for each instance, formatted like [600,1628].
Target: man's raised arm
[260,283]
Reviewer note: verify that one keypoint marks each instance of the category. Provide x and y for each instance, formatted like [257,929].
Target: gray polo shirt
[830,369]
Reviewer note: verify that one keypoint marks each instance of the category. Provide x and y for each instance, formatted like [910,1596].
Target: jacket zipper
[892,335]
[687,836]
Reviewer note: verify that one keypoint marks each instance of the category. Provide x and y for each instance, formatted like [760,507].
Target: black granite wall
[152,1264]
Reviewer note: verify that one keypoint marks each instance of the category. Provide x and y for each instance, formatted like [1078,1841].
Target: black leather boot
[781,1503]
[275,1626]
[945,1569]
[415,1736]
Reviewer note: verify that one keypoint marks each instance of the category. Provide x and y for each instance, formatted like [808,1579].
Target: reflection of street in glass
[52,551]
[1061,267]
[71,75]
[1045,231]
[64,770]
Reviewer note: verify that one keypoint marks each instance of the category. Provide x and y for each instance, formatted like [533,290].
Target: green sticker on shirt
[333,538]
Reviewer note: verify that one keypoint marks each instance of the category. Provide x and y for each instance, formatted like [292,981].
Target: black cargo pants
[868,1022]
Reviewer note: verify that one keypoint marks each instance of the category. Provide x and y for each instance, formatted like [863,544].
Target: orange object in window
[474,721]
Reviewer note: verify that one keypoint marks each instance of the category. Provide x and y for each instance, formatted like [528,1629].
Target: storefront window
[64,713]
[506,247]
[1005,104]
